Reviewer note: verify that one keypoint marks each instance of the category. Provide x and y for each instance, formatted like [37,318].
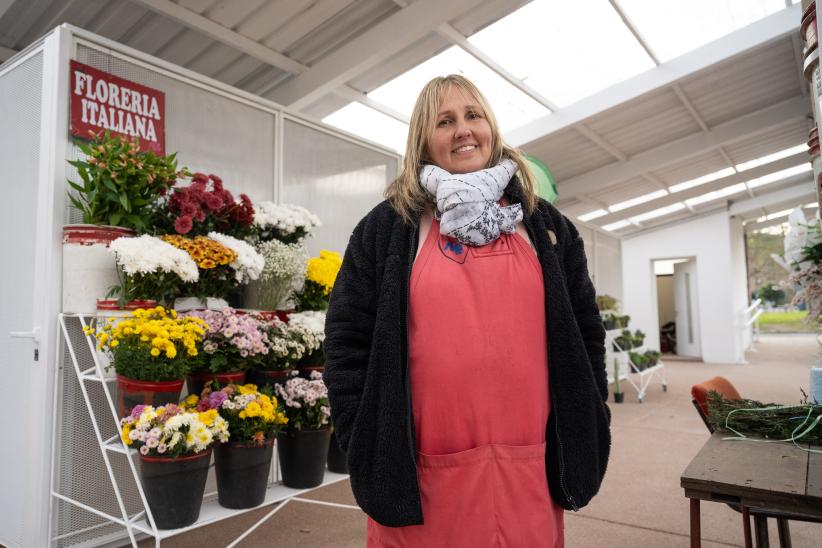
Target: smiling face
[461,141]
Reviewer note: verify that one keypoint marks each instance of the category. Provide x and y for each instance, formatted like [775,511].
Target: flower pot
[184,304]
[89,268]
[807,29]
[131,393]
[268,377]
[196,381]
[174,488]
[306,370]
[281,315]
[242,473]
[337,461]
[303,454]
[619,397]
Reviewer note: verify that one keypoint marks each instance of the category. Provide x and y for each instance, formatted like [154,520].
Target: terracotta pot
[89,268]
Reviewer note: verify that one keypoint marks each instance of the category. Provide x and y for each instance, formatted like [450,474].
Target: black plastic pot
[306,370]
[267,377]
[619,397]
[242,473]
[174,488]
[303,455]
[337,461]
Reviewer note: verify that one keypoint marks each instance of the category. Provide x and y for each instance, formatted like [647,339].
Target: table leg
[784,533]
[696,533]
[761,525]
[746,526]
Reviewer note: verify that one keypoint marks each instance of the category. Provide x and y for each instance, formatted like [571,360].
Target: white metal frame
[630,371]
[142,523]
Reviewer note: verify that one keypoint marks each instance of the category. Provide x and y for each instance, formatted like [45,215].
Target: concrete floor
[640,503]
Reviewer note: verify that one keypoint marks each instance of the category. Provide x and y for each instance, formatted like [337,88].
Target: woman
[464,349]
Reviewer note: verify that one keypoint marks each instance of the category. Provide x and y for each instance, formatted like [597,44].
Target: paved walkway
[640,504]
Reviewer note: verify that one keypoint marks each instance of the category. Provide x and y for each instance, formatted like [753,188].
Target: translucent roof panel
[370,124]
[512,107]
[592,215]
[674,27]
[662,211]
[564,50]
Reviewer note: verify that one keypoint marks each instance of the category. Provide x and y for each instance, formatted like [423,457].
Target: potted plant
[118,185]
[282,274]
[151,351]
[619,396]
[202,207]
[232,343]
[286,348]
[609,321]
[607,303]
[638,338]
[624,341]
[319,280]
[303,444]
[224,263]
[309,327]
[150,268]
[175,450]
[242,464]
[287,223]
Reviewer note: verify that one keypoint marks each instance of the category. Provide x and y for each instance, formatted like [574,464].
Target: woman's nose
[462,130]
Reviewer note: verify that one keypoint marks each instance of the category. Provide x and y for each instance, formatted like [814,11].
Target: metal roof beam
[6,54]
[732,131]
[718,184]
[801,192]
[368,49]
[755,35]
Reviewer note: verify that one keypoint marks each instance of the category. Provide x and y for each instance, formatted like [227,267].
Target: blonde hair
[405,193]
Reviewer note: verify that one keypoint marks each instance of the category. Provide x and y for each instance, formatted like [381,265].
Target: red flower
[199,178]
[213,201]
[200,216]
[189,209]
[183,224]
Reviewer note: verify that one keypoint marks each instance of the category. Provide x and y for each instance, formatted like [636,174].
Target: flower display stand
[94,472]
[639,379]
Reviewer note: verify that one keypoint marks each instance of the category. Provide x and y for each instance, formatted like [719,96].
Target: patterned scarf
[467,203]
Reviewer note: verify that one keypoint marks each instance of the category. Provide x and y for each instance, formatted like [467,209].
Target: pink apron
[479,380]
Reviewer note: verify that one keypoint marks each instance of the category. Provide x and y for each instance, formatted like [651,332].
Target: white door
[686,304]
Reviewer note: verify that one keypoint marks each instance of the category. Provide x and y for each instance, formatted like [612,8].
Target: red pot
[131,393]
[112,305]
[305,370]
[268,377]
[196,381]
[94,234]
[282,315]
[813,142]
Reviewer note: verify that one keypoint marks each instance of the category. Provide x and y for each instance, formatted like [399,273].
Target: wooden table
[769,476]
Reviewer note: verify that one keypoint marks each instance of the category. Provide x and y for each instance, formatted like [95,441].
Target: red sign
[101,101]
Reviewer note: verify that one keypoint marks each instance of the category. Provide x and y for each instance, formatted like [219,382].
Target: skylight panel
[779,175]
[772,157]
[592,215]
[679,187]
[564,50]
[810,205]
[674,27]
[638,200]
[662,211]
[616,226]
[512,107]
[370,124]
[715,195]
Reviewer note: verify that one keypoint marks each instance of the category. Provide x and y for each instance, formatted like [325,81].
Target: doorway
[678,307]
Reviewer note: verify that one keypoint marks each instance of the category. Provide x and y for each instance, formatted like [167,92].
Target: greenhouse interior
[327,273]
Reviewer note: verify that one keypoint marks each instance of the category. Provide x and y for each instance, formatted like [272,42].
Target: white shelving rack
[640,380]
[95,472]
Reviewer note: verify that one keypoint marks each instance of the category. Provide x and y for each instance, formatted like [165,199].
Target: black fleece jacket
[366,350]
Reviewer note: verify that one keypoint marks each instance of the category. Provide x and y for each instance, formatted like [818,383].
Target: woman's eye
[473,115]
[444,122]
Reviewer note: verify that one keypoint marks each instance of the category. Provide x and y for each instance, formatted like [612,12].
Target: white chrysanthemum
[286,218]
[312,320]
[149,255]
[249,264]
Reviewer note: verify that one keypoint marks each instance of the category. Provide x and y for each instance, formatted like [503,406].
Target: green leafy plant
[639,338]
[609,321]
[606,302]
[625,341]
[119,183]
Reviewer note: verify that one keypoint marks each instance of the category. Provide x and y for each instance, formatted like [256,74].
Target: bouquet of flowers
[152,344]
[306,402]
[120,184]
[169,431]
[284,269]
[232,341]
[252,417]
[319,280]
[223,263]
[203,207]
[151,268]
[309,326]
[803,261]
[286,347]
[284,222]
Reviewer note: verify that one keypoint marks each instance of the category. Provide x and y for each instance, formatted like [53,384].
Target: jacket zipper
[568,497]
